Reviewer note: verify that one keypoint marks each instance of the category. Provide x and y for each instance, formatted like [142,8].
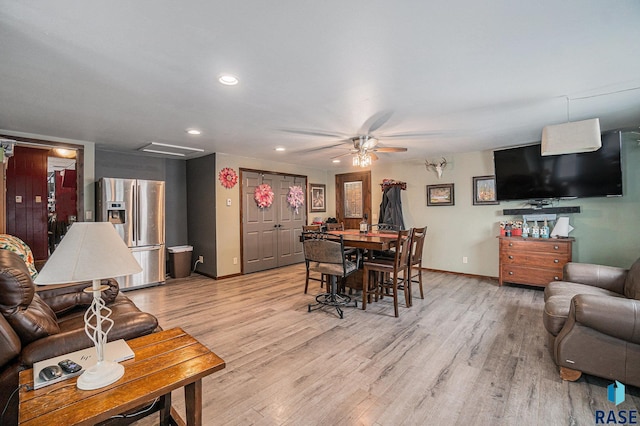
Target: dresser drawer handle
[556,247]
[510,244]
[555,261]
[556,278]
[510,257]
[511,273]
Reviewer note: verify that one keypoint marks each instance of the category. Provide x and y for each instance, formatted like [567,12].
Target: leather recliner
[593,322]
[38,323]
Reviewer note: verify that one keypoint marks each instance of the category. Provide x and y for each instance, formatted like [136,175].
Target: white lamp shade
[88,251]
[572,137]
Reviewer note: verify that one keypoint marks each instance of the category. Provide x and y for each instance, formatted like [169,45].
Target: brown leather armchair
[45,322]
[593,321]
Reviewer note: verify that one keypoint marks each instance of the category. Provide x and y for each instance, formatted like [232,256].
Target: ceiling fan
[365,148]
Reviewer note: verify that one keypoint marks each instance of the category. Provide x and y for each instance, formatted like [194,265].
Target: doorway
[353,198]
[31,198]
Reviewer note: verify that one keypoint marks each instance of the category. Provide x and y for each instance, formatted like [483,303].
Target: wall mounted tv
[523,174]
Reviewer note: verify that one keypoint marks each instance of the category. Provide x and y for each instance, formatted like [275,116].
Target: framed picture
[440,195]
[484,190]
[317,196]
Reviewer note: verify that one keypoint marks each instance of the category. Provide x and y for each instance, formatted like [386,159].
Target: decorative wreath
[295,197]
[263,195]
[228,177]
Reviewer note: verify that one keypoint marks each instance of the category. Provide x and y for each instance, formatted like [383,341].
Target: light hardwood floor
[470,353]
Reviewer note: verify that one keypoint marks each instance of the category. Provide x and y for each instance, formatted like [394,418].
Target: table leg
[193,403]
[165,409]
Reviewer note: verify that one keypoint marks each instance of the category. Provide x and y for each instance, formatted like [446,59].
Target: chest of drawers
[532,261]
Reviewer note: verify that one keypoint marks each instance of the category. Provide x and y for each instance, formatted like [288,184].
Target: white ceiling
[465,75]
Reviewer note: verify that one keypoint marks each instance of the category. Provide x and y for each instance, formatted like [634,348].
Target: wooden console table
[163,362]
[533,261]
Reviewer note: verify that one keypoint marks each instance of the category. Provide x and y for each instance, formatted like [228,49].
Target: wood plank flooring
[470,353]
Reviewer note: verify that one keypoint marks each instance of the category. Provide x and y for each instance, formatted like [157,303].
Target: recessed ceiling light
[228,80]
[280,148]
[336,161]
[194,132]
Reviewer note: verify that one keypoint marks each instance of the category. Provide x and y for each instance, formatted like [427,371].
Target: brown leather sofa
[593,321]
[45,322]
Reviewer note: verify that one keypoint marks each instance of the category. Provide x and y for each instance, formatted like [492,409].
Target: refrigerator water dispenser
[116,212]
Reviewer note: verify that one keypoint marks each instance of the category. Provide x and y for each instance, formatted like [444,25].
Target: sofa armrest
[66,297]
[607,277]
[613,316]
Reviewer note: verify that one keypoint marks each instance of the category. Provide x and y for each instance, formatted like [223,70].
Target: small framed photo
[440,195]
[317,196]
[484,190]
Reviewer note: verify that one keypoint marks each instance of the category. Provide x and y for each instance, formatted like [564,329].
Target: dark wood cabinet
[533,261]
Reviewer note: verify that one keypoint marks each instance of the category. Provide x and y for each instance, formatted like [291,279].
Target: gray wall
[201,211]
[173,172]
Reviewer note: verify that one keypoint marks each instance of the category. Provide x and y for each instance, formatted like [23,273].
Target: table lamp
[92,251]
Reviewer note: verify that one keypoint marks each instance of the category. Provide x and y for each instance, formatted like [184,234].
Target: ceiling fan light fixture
[362,159]
[194,132]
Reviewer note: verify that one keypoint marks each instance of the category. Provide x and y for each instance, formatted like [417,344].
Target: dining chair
[415,258]
[335,226]
[311,228]
[308,263]
[326,251]
[350,253]
[389,277]
[385,228]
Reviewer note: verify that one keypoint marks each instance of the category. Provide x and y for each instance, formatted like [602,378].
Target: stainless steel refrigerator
[136,209]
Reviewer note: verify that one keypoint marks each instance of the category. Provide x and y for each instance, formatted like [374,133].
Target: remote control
[69,366]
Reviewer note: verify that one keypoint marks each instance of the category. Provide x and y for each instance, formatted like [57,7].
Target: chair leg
[306,282]
[365,287]
[420,280]
[395,295]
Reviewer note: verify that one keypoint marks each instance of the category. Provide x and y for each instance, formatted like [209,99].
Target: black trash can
[180,261]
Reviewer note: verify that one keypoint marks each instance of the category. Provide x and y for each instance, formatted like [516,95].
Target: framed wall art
[318,198]
[484,190]
[440,195]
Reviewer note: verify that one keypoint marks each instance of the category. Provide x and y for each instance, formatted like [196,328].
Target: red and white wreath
[263,195]
[228,177]
[295,197]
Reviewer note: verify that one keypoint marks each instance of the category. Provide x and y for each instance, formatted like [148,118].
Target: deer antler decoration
[438,167]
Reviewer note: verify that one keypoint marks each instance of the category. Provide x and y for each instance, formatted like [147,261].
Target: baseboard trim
[224,277]
[462,274]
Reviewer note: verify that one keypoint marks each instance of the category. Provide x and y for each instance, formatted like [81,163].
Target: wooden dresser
[533,261]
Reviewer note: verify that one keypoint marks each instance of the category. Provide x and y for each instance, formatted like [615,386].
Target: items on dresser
[534,262]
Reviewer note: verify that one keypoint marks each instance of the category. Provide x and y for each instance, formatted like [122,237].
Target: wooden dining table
[369,241]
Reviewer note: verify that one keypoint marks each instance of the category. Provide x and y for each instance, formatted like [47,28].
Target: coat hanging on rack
[391,207]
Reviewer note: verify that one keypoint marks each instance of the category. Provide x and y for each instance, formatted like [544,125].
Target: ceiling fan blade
[374,157]
[320,148]
[315,133]
[412,135]
[390,149]
[376,121]
[343,155]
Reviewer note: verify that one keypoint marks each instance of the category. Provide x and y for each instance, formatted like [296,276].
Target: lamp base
[100,375]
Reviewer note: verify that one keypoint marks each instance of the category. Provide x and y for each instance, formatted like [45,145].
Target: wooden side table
[163,362]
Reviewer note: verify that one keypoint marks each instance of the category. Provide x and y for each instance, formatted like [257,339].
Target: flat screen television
[523,174]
